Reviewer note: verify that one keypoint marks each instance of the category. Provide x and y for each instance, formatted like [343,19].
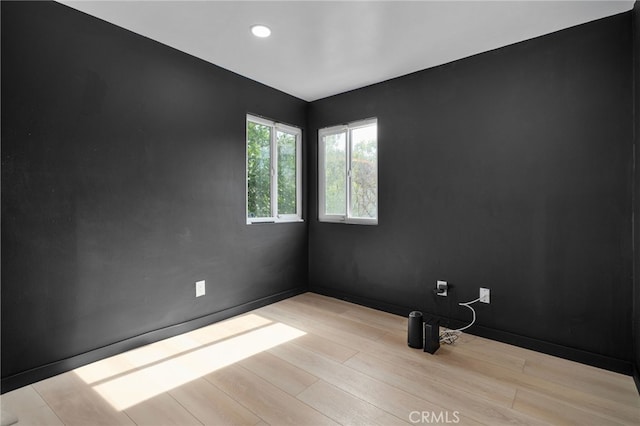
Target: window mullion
[348,175]
[274,173]
[299,175]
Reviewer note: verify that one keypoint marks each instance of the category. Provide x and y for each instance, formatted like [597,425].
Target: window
[348,173]
[273,172]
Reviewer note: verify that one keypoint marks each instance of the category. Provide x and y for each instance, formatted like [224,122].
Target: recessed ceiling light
[261,31]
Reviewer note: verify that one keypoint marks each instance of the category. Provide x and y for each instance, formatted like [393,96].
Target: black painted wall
[510,170]
[636,254]
[122,184]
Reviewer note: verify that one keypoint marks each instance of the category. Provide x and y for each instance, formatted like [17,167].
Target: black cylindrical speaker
[415,329]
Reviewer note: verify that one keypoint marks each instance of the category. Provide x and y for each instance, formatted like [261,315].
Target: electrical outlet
[485,295]
[200,288]
[441,288]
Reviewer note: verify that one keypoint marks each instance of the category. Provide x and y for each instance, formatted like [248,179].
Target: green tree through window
[273,171]
[348,173]
[335,154]
[258,170]
[287,169]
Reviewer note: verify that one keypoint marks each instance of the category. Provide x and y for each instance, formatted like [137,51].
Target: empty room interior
[314,212]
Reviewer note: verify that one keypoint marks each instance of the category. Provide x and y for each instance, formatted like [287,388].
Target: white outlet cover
[200,288]
[485,295]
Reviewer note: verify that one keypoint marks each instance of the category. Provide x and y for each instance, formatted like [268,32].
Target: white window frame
[342,218]
[275,127]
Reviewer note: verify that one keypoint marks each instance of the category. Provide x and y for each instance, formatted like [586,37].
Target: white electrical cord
[450,336]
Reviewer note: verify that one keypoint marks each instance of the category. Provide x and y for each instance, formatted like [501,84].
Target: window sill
[272,220]
[349,221]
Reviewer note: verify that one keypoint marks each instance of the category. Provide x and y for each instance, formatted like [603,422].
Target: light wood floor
[313,360]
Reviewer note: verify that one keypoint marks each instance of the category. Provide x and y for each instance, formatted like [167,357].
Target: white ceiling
[321,48]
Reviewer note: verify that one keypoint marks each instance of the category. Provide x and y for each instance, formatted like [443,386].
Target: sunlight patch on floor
[135,376]
[145,355]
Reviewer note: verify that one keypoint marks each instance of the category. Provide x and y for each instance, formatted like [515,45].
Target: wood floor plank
[584,377]
[211,406]
[480,408]
[76,403]
[569,395]
[278,372]
[147,381]
[368,331]
[576,397]
[29,407]
[326,347]
[555,412]
[345,408]
[360,313]
[373,391]
[483,353]
[229,328]
[393,349]
[436,368]
[266,400]
[440,371]
[105,369]
[161,410]
[494,356]
[488,346]
[380,319]
[311,324]
[449,356]
[326,304]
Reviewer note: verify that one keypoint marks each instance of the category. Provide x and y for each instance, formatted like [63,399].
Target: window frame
[347,129]
[273,150]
